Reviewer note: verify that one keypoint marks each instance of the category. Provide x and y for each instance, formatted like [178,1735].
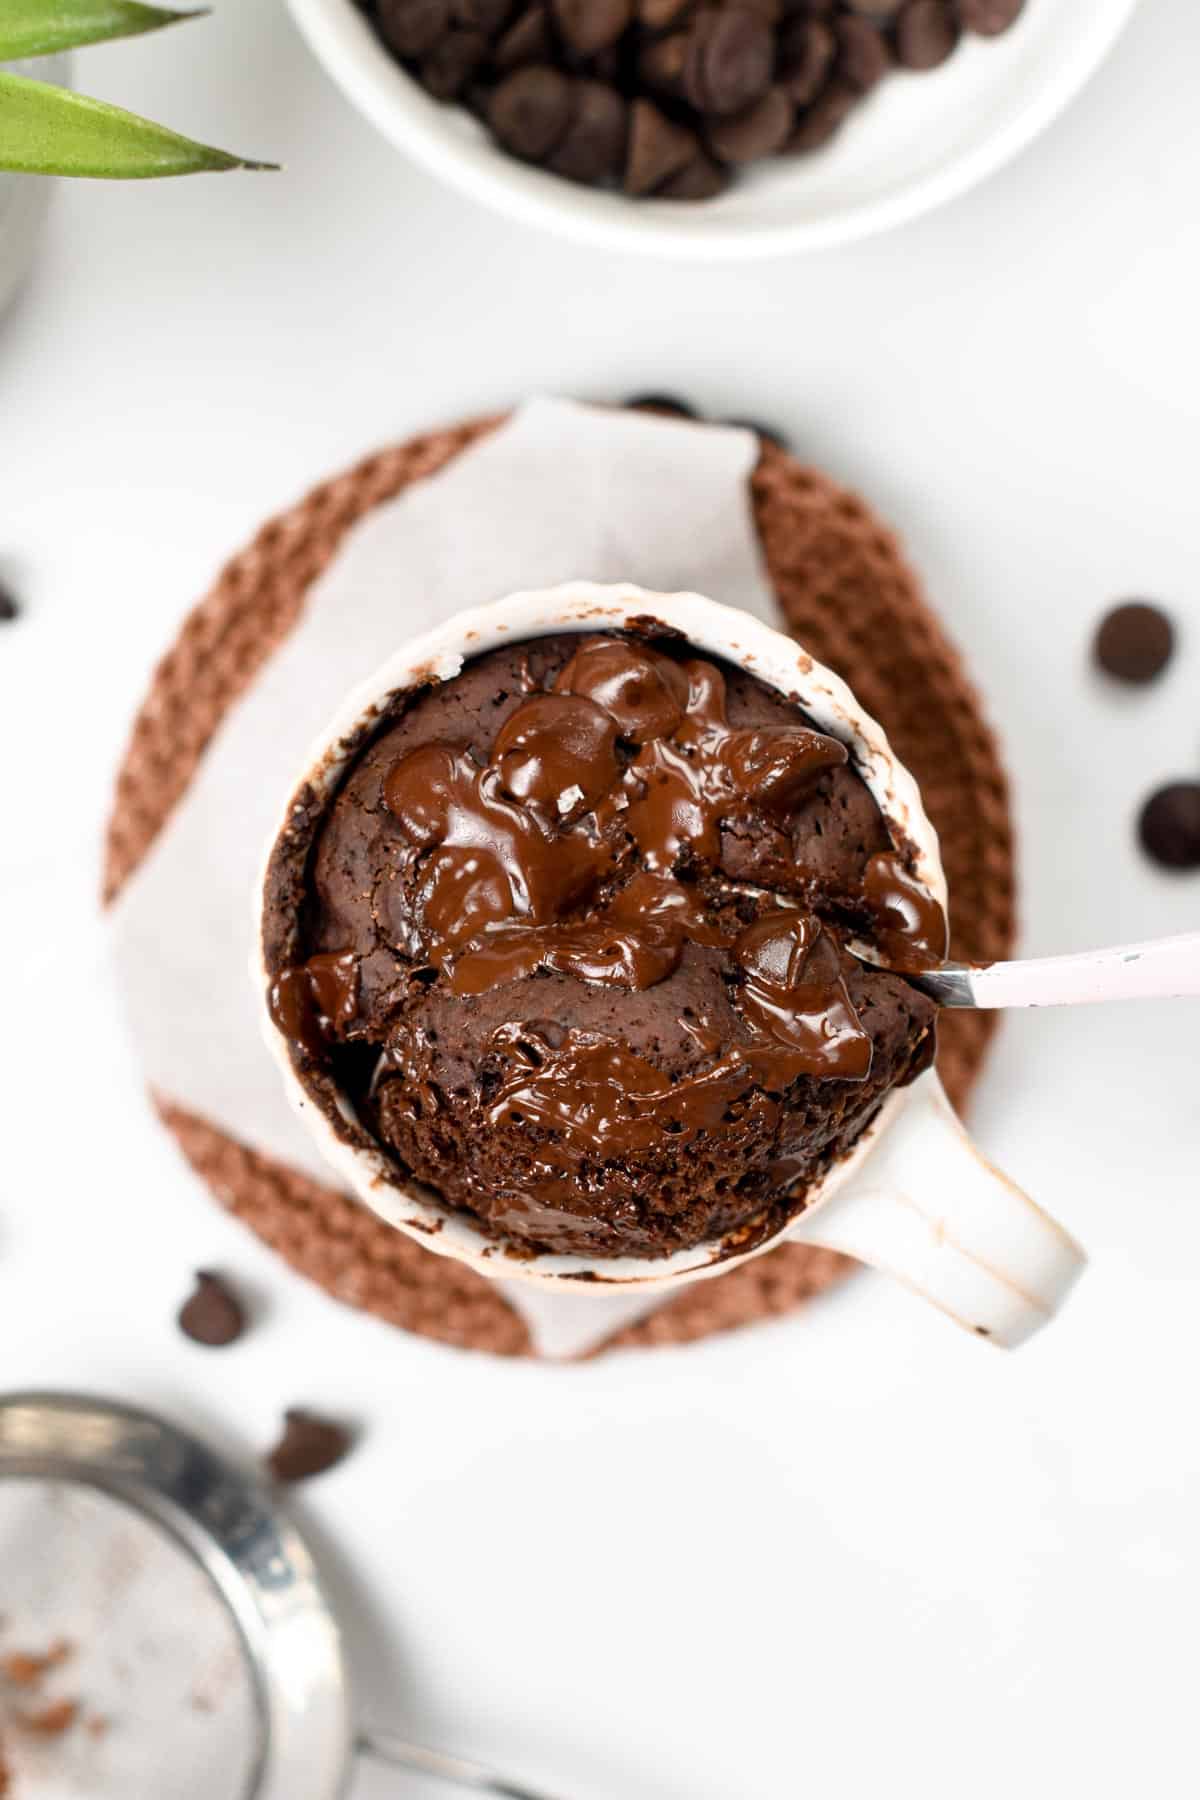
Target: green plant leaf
[47,130]
[43,27]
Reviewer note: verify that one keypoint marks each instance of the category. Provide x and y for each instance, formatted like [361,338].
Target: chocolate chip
[731,57]
[657,148]
[530,110]
[212,1314]
[728,81]
[863,54]
[761,130]
[527,40]
[9,610]
[702,179]
[308,1446]
[989,17]
[807,49]
[594,147]
[823,119]
[481,15]
[452,62]
[769,10]
[1134,641]
[1169,826]
[926,33]
[666,404]
[768,433]
[660,15]
[477,96]
[413,27]
[661,63]
[591,25]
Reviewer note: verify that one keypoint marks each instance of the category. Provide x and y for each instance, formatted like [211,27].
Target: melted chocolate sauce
[484,858]
[591,1099]
[794,994]
[910,926]
[628,763]
[310,1003]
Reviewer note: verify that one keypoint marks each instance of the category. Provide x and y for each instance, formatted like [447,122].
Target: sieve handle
[388,1747]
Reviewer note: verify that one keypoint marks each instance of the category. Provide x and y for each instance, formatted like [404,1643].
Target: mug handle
[927,1208]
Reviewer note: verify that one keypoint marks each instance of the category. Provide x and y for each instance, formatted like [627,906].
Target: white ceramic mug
[913,1196]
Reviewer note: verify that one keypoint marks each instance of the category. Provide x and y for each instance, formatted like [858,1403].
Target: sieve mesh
[143,1647]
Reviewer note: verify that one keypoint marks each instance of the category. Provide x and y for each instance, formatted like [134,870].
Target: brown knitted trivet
[843,589]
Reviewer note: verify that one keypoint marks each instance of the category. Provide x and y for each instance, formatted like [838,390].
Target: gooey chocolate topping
[528,880]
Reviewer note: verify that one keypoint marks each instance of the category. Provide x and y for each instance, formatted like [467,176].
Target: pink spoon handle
[1165,968]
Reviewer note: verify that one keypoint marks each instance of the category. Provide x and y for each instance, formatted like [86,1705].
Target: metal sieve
[204,1648]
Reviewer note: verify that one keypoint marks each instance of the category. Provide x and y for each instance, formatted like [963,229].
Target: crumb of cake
[51,1720]
[28,1668]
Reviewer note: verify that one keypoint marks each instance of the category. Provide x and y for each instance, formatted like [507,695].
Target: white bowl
[918,140]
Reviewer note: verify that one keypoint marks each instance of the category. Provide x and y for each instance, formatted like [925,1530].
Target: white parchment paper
[562,491]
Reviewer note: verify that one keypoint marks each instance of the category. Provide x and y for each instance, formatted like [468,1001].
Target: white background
[853,1552]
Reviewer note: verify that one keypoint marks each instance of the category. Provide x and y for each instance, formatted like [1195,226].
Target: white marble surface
[850,1552]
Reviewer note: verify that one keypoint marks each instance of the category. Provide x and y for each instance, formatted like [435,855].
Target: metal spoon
[1164,968]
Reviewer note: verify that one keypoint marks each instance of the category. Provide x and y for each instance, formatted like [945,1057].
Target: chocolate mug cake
[568,940]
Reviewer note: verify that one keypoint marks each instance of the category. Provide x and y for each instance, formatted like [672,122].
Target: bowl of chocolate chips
[711,128]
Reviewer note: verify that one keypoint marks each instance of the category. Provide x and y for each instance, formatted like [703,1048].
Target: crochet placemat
[843,589]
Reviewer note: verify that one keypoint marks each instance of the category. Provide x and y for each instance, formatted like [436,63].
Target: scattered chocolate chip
[594,146]
[807,49]
[413,27]
[530,111]
[863,55]
[9,610]
[761,130]
[527,40]
[1169,826]
[309,1445]
[667,404]
[702,179]
[657,149]
[926,33]
[989,17]
[212,1314]
[1134,641]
